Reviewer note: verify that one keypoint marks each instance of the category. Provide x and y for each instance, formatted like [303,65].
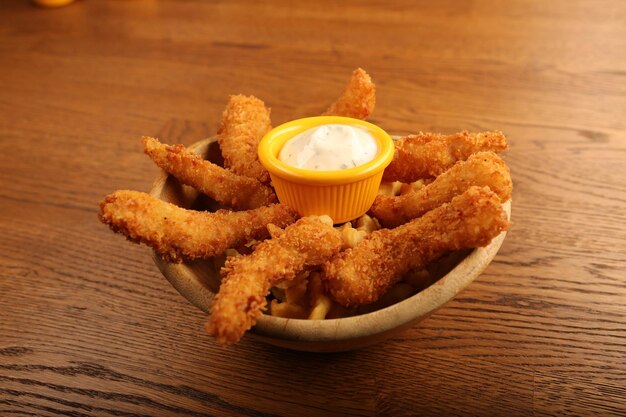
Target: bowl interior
[197,281]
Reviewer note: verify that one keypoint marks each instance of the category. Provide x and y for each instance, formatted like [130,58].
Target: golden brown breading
[426,155]
[244,123]
[358,98]
[225,187]
[363,274]
[176,233]
[247,279]
[481,169]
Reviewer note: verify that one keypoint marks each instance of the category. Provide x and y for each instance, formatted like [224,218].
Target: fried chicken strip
[247,280]
[244,123]
[480,169]
[358,98]
[176,233]
[426,155]
[222,185]
[364,273]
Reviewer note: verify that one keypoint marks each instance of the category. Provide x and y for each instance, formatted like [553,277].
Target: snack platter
[198,281]
[364,251]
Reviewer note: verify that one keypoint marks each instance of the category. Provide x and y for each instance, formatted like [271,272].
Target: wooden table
[88,326]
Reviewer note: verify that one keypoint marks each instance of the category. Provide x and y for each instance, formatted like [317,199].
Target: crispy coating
[426,155]
[225,187]
[363,274]
[244,123]
[481,169]
[358,98]
[247,280]
[176,233]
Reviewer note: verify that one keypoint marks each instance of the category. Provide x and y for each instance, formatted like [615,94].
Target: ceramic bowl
[197,281]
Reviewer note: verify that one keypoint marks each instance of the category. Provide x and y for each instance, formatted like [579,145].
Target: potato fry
[295,293]
[319,301]
[414,186]
[315,288]
[390,188]
[351,237]
[367,224]
[288,310]
[321,309]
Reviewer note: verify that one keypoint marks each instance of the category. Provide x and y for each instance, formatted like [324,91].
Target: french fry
[321,309]
[287,310]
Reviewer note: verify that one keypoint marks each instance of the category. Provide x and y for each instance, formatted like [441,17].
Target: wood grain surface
[88,326]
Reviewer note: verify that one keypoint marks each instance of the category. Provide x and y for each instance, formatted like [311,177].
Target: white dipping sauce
[329,148]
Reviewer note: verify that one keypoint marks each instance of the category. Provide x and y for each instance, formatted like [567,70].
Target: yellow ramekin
[342,194]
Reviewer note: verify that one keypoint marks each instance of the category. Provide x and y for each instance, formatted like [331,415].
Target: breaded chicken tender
[244,123]
[225,187]
[363,274]
[176,233]
[426,155]
[480,169]
[247,280]
[358,98]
